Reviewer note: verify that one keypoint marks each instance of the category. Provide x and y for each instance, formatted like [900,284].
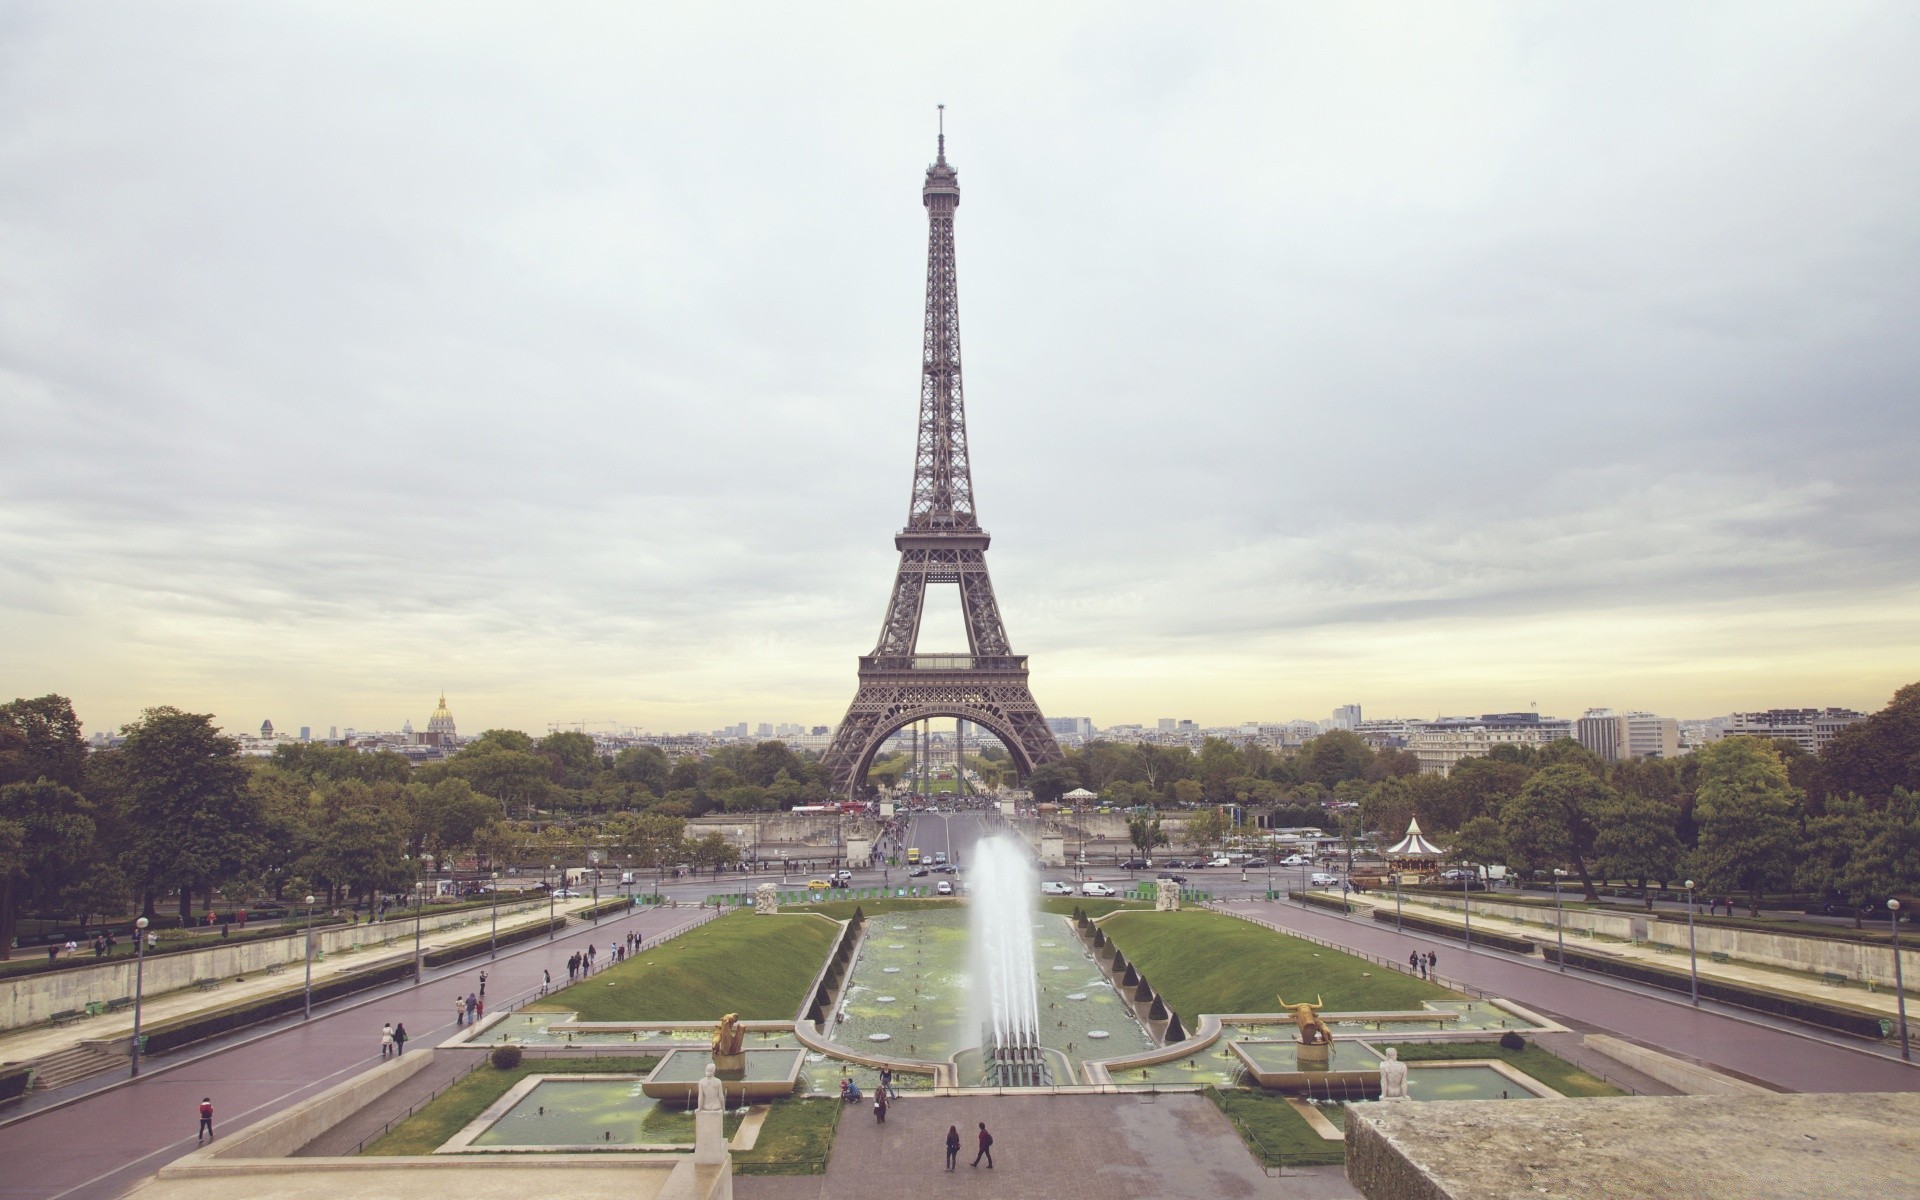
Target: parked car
[1051,888]
[916,873]
[1322,879]
[1254,862]
[1220,862]
[1174,862]
[1096,889]
[943,888]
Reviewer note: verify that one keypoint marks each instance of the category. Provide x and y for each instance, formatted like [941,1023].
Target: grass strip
[448,1113]
[1093,906]
[1536,1061]
[759,967]
[1275,1134]
[842,910]
[1208,962]
[796,1139]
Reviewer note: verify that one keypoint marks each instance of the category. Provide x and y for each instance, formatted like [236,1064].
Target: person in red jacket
[206,1120]
[986,1147]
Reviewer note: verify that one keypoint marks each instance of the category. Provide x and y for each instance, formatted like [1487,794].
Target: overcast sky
[1439,357]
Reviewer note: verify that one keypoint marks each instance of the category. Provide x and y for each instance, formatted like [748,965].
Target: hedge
[184,1031]
[13,1083]
[468,949]
[1480,937]
[1326,902]
[1859,1022]
[200,939]
[617,904]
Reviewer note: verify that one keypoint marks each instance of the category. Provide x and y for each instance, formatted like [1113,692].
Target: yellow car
[818,885]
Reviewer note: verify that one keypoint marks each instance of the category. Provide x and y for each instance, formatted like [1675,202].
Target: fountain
[1006,1005]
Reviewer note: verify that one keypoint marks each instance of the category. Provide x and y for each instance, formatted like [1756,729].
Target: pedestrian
[1433,962]
[546,980]
[473,1002]
[479,1009]
[986,1147]
[953,1146]
[1413,963]
[386,1040]
[459,1011]
[880,1106]
[399,1039]
[483,985]
[206,1120]
[886,1080]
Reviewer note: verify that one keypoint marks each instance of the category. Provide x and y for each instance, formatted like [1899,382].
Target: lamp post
[1303,885]
[493,945]
[307,1003]
[550,899]
[1559,922]
[419,910]
[1693,959]
[139,981]
[1899,981]
[1466,901]
[1397,928]
[1269,876]
[596,888]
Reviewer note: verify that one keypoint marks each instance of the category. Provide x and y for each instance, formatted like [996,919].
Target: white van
[1322,879]
[1097,889]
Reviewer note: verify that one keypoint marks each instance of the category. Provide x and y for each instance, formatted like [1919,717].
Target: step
[57,1070]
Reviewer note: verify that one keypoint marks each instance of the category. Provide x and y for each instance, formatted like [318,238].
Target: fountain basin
[765,1075]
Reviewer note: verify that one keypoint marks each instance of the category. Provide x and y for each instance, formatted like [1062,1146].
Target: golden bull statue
[1306,1018]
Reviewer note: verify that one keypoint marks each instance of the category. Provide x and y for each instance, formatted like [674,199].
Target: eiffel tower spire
[942,543]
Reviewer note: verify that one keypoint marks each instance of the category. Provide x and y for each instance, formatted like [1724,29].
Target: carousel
[1413,854]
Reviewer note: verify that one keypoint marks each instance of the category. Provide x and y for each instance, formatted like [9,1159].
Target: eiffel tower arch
[942,543]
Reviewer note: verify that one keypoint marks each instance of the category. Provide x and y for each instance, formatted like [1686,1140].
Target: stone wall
[34,998]
[1814,955]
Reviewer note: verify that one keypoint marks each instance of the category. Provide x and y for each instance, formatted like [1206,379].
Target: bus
[913,856]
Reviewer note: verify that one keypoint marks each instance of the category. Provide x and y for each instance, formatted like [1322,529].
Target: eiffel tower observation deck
[942,544]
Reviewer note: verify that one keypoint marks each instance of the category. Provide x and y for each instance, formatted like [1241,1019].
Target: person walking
[399,1039]
[459,1011]
[953,1146]
[386,1040]
[473,1002]
[886,1082]
[986,1147]
[546,980]
[206,1120]
[880,1106]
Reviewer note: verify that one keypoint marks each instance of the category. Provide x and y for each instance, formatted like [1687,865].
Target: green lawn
[449,1112]
[795,1140]
[1539,1062]
[1092,906]
[1277,1135]
[759,967]
[842,910]
[1206,962]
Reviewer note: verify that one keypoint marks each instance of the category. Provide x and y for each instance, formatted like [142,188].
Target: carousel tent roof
[1081,794]
[1415,844]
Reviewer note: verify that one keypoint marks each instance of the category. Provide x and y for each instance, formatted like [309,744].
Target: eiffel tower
[942,544]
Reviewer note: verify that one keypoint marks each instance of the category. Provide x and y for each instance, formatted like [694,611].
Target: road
[98,1146]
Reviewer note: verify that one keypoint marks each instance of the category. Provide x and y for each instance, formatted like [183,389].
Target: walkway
[1745,1045]
[98,1146]
[1169,1147]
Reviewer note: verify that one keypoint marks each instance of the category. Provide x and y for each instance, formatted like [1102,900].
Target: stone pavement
[1119,1147]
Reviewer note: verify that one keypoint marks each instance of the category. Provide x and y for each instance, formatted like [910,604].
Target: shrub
[475,946]
[1512,1041]
[1856,1021]
[171,1035]
[505,1058]
[1481,937]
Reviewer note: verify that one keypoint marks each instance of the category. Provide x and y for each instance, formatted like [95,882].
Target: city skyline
[1444,364]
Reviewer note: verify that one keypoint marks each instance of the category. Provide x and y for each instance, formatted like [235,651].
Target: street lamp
[419,910]
[550,899]
[493,946]
[139,982]
[1693,959]
[1899,981]
[1303,885]
[1466,901]
[1559,921]
[596,889]
[307,1013]
[1397,928]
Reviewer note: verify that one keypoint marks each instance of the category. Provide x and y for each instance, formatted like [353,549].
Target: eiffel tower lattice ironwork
[942,544]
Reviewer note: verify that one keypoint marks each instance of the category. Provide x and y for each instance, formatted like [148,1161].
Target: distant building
[266,728]
[1167,724]
[1617,737]
[306,733]
[1442,743]
[1080,727]
[763,730]
[1811,728]
[440,729]
[1347,716]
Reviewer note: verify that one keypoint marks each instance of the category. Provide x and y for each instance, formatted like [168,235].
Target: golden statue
[1306,1017]
[728,1036]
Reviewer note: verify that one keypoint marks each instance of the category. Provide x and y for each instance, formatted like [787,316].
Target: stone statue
[728,1037]
[766,900]
[1166,896]
[713,1093]
[1306,1018]
[1393,1076]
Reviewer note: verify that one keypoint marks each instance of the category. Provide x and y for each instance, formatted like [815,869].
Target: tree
[1877,755]
[40,739]
[643,766]
[518,779]
[1747,812]
[1218,763]
[1188,792]
[1143,830]
[1205,829]
[1475,787]
[443,817]
[1480,840]
[1637,840]
[571,755]
[1553,818]
[192,820]
[316,761]
[712,852]
[1050,781]
[1336,755]
[46,844]
[1388,805]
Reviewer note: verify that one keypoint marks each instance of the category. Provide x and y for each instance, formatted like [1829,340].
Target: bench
[68,1016]
[1720,956]
[1833,978]
[207,985]
[1662,947]
[276,968]
[120,1005]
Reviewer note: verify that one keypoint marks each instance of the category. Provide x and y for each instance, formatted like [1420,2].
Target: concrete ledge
[1687,1078]
[279,1136]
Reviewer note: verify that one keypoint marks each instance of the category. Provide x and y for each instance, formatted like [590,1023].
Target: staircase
[62,1067]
